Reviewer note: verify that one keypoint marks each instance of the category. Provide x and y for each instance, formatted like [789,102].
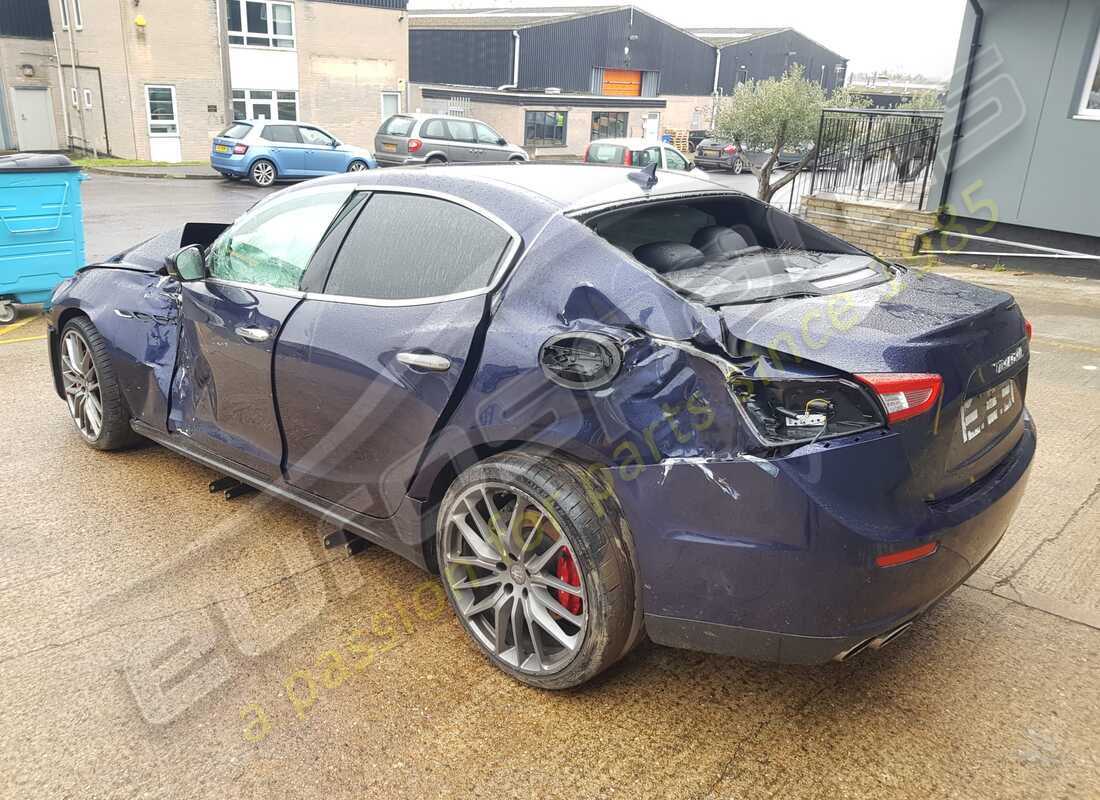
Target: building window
[161,108]
[1090,97]
[544,128]
[77,13]
[609,124]
[261,23]
[88,99]
[265,104]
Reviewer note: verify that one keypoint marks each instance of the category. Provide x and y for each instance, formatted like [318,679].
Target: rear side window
[606,153]
[434,129]
[461,130]
[398,126]
[237,130]
[408,247]
[280,133]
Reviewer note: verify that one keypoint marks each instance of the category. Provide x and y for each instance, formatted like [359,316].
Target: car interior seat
[718,243]
[665,257]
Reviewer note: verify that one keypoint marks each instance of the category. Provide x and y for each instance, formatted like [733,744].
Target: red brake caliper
[567,572]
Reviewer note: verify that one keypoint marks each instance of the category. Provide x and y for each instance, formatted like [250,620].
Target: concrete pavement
[158,641]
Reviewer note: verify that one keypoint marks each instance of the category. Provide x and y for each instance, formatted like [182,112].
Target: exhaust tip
[852,652]
[881,641]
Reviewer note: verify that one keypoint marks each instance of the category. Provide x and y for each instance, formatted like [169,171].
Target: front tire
[536,567]
[262,173]
[92,392]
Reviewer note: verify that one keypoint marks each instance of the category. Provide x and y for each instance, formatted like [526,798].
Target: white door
[164,129]
[391,104]
[652,126]
[34,127]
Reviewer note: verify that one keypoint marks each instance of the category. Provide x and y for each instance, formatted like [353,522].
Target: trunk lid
[974,337]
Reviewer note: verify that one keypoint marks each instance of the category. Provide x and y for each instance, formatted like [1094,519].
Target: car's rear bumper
[765,560]
[229,164]
[396,160]
[726,162]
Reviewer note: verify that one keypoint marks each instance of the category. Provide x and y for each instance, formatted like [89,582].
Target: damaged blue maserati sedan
[601,404]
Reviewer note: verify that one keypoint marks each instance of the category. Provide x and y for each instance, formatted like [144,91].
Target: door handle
[252,334]
[425,361]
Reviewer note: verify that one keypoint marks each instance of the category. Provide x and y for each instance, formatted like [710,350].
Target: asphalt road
[159,641]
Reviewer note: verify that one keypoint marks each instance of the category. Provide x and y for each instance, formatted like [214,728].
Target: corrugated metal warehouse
[554,79]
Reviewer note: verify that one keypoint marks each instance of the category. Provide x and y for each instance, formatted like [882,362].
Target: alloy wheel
[513,574]
[263,173]
[81,384]
[357,166]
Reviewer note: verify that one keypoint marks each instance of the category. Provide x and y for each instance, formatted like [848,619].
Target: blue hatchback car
[265,151]
[599,402]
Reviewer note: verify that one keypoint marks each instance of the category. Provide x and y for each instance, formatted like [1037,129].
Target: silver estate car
[435,139]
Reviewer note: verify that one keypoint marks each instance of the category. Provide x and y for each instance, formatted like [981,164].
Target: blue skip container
[41,227]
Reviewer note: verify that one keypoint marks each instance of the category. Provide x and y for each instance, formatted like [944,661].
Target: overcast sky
[896,35]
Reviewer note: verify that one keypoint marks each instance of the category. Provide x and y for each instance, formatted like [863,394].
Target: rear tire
[738,167]
[519,617]
[358,166]
[262,173]
[92,392]
[435,161]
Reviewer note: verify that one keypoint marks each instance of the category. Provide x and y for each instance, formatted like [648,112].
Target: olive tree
[923,101]
[777,114]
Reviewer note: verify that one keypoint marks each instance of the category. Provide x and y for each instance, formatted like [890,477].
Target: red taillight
[415,145]
[905,556]
[1027,327]
[904,394]
[240,149]
[628,159]
[731,149]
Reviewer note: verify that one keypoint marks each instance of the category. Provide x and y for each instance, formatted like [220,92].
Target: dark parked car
[718,153]
[598,406]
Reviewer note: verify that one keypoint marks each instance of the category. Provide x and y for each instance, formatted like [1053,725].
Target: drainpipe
[64,94]
[71,13]
[515,66]
[717,68]
[964,96]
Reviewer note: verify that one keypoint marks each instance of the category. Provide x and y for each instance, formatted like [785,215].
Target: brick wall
[178,46]
[347,56]
[882,229]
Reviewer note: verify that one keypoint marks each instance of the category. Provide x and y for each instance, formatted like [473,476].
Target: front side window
[609,124]
[486,135]
[544,128]
[161,108]
[261,23]
[409,247]
[265,104]
[674,160]
[272,244]
[1090,99]
[315,137]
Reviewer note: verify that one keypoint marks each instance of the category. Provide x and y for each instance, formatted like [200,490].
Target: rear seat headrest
[718,242]
[669,256]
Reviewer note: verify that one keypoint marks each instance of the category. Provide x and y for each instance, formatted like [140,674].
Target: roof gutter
[964,97]
[515,64]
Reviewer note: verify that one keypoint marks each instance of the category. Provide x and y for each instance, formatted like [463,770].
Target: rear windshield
[714,143]
[398,126]
[737,250]
[238,130]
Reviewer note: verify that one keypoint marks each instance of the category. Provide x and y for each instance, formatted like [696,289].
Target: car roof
[635,142]
[421,116]
[511,187]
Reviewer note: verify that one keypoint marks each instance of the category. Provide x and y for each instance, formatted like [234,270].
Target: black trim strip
[537,101]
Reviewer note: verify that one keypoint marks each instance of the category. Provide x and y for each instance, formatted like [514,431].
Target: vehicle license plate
[981,412]
[221,148]
[389,147]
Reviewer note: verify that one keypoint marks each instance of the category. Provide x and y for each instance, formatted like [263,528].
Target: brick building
[159,79]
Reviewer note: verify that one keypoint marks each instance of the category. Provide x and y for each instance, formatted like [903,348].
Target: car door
[674,160]
[489,144]
[230,321]
[322,157]
[286,148]
[365,369]
[463,146]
